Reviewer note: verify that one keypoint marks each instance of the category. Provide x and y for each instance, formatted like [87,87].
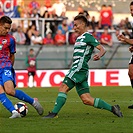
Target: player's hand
[96,57]
[131,49]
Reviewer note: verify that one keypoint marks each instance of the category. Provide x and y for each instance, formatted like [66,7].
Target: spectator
[47,15]
[96,35]
[36,39]
[48,40]
[64,27]
[93,23]
[48,27]
[122,24]
[109,8]
[72,38]
[33,4]
[71,24]
[19,36]
[13,28]
[128,24]
[84,12]
[80,9]
[48,24]
[31,31]
[54,24]
[46,7]
[59,8]
[106,17]
[36,16]
[106,38]
[60,39]
[30,62]
[26,22]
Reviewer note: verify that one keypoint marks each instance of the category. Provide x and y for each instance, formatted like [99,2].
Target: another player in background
[78,74]
[31,67]
[7,73]
[126,40]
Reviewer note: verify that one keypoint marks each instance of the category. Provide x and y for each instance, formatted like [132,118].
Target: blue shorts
[7,74]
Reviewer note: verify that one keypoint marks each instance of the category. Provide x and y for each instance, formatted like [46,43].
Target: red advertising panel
[51,78]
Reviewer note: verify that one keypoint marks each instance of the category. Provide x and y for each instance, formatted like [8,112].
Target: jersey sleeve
[12,45]
[91,40]
[26,61]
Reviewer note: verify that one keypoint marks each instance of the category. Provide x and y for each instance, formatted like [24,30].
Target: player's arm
[26,61]
[101,52]
[12,57]
[12,49]
[122,38]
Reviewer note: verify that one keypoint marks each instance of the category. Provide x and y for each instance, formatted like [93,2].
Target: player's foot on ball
[51,115]
[130,107]
[15,114]
[38,106]
[116,110]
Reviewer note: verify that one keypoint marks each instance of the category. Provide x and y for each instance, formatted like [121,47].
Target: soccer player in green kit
[78,74]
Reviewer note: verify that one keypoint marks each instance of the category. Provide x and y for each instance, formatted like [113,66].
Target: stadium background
[59,58]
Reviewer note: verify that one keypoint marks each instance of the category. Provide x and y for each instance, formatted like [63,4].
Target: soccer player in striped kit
[78,74]
[7,72]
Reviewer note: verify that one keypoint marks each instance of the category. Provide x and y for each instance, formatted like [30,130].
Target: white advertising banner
[97,77]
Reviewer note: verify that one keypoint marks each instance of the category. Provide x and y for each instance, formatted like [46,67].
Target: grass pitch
[74,116]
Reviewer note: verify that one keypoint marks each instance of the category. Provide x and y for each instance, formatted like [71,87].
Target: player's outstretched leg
[116,110]
[9,106]
[33,101]
[60,101]
[99,103]
[38,106]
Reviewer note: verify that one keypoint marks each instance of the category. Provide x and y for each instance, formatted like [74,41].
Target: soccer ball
[22,108]
[32,63]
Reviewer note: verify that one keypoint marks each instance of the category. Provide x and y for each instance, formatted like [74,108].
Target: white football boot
[15,114]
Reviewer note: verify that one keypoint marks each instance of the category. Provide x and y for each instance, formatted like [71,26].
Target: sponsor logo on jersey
[80,43]
[4,41]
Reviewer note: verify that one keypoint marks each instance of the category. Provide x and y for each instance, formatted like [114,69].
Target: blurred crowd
[28,32]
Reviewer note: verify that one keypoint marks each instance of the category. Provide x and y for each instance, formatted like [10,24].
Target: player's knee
[10,92]
[130,74]
[63,88]
[87,102]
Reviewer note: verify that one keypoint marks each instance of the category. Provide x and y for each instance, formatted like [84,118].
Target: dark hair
[82,18]
[103,5]
[31,49]
[131,3]
[5,19]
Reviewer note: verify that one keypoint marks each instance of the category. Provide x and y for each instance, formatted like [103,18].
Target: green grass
[74,116]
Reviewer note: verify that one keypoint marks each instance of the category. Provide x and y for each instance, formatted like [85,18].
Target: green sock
[60,101]
[99,103]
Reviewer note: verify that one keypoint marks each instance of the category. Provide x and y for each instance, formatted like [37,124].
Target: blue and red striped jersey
[7,47]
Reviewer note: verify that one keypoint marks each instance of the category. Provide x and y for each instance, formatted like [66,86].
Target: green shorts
[81,87]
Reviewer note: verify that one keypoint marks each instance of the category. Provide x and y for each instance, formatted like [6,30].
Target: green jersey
[83,50]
